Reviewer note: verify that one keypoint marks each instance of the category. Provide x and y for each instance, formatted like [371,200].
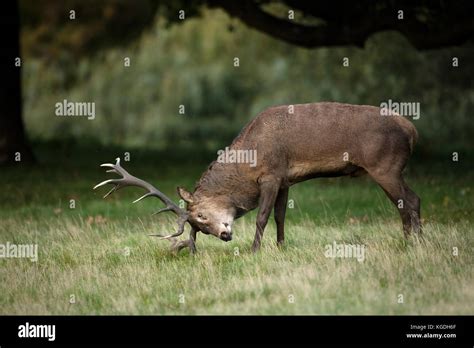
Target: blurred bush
[192,64]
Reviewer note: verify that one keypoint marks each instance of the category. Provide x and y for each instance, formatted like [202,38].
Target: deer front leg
[192,240]
[279,214]
[268,192]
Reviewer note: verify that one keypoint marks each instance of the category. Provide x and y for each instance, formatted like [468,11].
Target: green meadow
[97,257]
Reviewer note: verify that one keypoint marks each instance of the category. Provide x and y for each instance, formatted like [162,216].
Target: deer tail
[413,137]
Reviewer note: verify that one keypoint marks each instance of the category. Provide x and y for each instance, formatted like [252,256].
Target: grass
[100,253]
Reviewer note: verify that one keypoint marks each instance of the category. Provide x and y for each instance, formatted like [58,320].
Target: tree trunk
[13,143]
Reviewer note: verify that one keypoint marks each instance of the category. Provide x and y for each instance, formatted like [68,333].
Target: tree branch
[435,25]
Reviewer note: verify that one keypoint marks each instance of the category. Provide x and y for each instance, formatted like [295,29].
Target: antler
[129,180]
[177,245]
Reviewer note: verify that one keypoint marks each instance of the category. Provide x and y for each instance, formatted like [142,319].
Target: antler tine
[117,168]
[111,191]
[178,245]
[181,222]
[162,210]
[188,243]
[149,194]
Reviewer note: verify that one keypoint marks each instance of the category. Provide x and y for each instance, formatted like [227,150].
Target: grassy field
[98,255]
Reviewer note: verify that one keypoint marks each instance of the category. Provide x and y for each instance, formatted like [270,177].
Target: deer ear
[186,195]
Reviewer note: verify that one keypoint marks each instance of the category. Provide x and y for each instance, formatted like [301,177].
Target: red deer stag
[292,143]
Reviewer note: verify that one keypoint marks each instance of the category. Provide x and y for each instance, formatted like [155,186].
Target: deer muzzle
[225,236]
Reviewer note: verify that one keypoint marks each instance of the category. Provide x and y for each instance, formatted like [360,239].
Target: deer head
[210,215]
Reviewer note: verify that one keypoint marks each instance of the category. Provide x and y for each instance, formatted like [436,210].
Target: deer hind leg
[406,201]
[279,214]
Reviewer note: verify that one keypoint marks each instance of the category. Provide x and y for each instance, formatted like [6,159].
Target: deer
[293,143]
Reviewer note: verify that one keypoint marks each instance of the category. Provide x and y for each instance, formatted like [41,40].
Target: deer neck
[223,181]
